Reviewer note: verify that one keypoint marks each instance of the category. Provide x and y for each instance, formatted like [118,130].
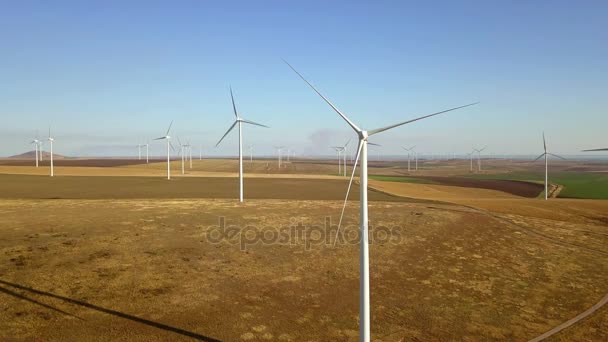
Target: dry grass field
[86,258]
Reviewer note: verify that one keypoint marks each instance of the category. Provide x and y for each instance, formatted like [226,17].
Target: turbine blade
[350,183]
[371,143]
[411,148]
[348,142]
[378,130]
[161,138]
[555,155]
[537,158]
[544,142]
[172,148]
[225,134]
[254,123]
[233,105]
[179,142]
[596,149]
[169,129]
[350,123]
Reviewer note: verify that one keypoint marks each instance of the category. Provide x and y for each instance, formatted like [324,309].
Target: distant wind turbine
[168,138]
[238,120]
[51,139]
[364,304]
[409,155]
[479,157]
[471,154]
[139,146]
[183,148]
[147,152]
[36,143]
[546,154]
[279,150]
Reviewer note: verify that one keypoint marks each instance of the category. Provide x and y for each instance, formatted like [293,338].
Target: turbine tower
[182,153]
[139,146]
[147,152]
[546,154]
[169,145]
[363,135]
[238,120]
[51,139]
[339,156]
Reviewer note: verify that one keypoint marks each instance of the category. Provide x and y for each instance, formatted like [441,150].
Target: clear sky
[109,74]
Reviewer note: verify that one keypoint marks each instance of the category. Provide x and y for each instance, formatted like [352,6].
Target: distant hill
[32,155]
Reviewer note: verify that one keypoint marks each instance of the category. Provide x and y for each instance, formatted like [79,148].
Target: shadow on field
[97,308]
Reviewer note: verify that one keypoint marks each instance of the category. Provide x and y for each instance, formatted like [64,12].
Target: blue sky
[109,74]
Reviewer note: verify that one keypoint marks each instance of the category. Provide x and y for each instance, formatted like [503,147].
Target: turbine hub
[363,135]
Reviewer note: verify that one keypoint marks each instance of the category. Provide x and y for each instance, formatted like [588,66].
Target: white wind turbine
[343,150]
[238,120]
[51,139]
[364,307]
[250,154]
[169,146]
[479,156]
[190,153]
[409,155]
[339,157]
[471,154]
[147,152]
[36,143]
[546,154]
[139,146]
[182,152]
[279,150]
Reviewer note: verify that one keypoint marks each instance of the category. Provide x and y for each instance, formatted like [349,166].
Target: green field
[576,185]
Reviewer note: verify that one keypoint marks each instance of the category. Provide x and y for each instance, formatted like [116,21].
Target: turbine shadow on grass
[97,308]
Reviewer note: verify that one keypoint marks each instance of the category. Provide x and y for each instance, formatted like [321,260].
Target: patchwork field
[140,258]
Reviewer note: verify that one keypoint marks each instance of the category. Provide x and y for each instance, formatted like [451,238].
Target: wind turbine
[409,150]
[364,307]
[479,156]
[546,154]
[471,154]
[147,152]
[238,120]
[279,150]
[343,149]
[51,139]
[182,153]
[190,153]
[139,146]
[250,154]
[36,143]
[168,138]
[338,155]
